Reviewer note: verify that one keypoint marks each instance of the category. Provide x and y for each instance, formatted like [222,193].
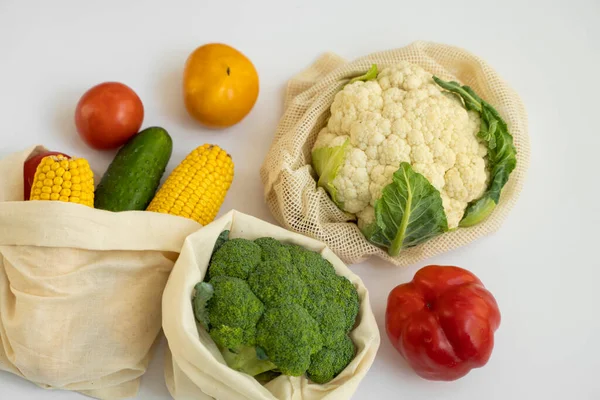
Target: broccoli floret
[330,361]
[326,288]
[332,323]
[297,253]
[234,311]
[346,297]
[277,283]
[311,265]
[289,337]
[235,258]
[273,250]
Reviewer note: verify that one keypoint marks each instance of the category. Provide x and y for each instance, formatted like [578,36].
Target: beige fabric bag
[80,289]
[289,181]
[195,368]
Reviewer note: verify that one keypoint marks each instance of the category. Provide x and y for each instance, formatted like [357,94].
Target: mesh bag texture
[290,183]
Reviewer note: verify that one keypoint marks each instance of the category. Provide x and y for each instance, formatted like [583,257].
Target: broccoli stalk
[245,359]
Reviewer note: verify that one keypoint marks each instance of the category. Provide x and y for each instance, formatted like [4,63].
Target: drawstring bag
[194,367]
[290,183]
[80,288]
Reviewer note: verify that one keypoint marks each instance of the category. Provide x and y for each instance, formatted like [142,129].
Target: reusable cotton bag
[290,187]
[194,367]
[80,288]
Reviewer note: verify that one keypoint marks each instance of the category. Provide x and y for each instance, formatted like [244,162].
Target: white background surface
[542,266]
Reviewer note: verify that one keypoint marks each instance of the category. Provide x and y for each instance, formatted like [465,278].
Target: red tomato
[442,322]
[108,115]
[29,168]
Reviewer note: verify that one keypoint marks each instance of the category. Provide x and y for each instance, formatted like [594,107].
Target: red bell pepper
[442,322]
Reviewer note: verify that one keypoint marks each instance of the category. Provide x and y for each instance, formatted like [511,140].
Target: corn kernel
[52,181]
[197,186]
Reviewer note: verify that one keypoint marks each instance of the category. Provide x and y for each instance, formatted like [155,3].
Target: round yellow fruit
[220,85]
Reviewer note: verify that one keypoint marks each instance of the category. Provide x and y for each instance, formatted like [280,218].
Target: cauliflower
[403,116]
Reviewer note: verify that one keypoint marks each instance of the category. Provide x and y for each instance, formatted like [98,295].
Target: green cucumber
[134,175]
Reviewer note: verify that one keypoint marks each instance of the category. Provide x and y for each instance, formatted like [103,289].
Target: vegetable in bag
[412,156]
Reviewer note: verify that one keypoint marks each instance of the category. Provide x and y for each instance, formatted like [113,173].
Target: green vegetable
[273,250]
[332,323]
[409,212]
[245,360]
[368,76]
[134,175]
[289,336]
[291,306]
[502,157]
[235,258]
[331,299]
[204,292]
[275,283]
[346,297]
[233,310]
[223,237]
[327,161]
[330,361]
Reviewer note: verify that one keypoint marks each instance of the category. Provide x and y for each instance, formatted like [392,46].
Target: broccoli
[245,360]
[277,283]
[332,299]
[235,258]
[223,237]
[298,254]
[289,337]
[346,297]
[311,265]
[330,361]
[204,292]
[332,322]
[273,250]
[275,308]
[234,311]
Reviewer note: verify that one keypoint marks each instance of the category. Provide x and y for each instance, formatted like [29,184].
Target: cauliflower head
[401,116]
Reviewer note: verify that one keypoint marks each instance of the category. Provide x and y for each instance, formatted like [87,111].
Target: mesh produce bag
[80,288]
[289,180]
[194,367]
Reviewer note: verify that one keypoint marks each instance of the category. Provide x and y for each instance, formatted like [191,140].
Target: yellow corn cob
[60,178]
[197,187]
